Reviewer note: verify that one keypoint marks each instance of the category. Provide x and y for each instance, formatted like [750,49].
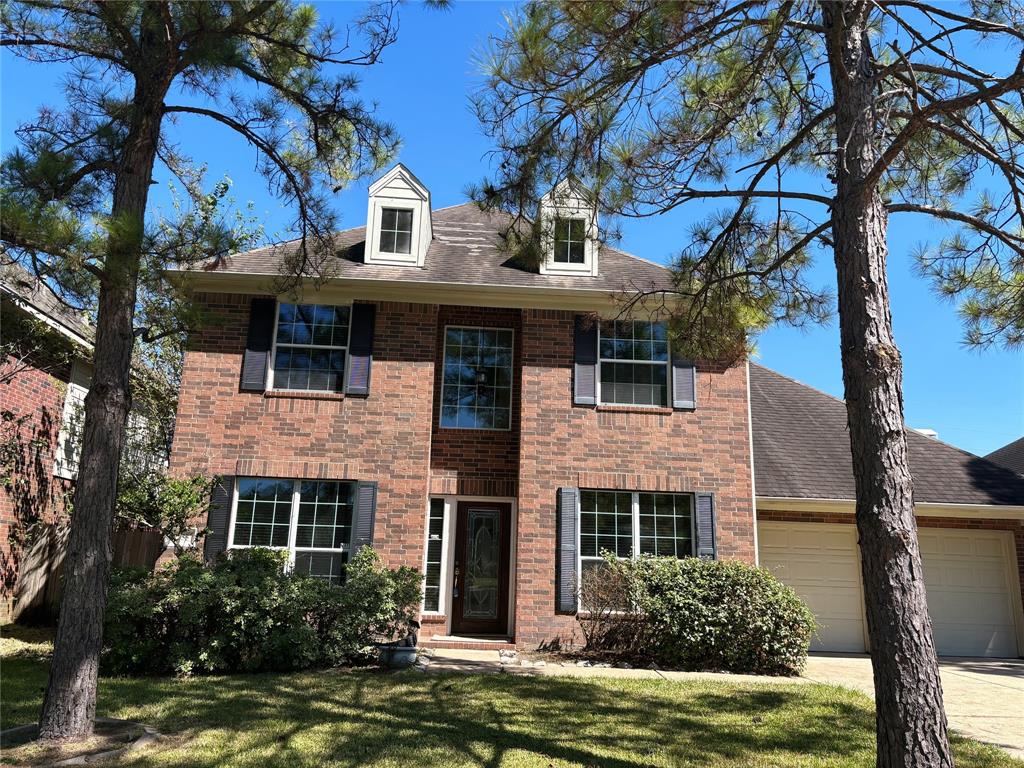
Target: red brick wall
[988,524]
[36,495]
[562,445]
[476,462]
[383,437]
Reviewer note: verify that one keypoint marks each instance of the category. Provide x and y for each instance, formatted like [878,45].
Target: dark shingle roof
[1010,456]
[464,251]
[802,450]
[28,289]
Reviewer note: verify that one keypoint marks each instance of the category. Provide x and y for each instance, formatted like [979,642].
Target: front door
[480,584]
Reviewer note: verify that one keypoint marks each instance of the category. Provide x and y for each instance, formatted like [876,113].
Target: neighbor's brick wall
[1016,527]
[565,445]
[476,462]
[37,494]
[383,437]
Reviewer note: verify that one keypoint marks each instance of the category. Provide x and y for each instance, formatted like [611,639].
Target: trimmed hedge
[245,613]
[705,615]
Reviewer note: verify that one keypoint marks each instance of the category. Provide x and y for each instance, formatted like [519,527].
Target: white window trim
[269,384]
[293,520]
[74,406]
[447,552]
[668,373]
[635,515]
[404,255]
[512,383]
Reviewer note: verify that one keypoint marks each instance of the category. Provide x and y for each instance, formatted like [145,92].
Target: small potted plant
[400,650]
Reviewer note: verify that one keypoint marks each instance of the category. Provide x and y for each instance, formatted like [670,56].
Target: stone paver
[984,697]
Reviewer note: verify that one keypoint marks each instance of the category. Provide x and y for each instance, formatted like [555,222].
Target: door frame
[451,502]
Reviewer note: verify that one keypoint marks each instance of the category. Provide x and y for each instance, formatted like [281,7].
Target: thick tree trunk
[69,706]
[910,722]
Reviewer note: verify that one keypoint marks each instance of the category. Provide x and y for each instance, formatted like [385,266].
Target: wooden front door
[481,577]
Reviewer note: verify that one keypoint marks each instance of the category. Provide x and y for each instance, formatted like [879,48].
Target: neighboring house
[1010,456]
[44,375]
[466,416]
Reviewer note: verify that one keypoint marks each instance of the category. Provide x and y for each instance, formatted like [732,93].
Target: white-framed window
[570,240]
[476,387]
[435,561]
[631,523]
[72,422]
[634,362]
[311,519]
[396,230]
[310,346]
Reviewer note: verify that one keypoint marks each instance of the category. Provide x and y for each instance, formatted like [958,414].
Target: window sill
[300,394]
[656,409]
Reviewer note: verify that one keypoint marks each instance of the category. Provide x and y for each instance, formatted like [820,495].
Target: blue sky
[975,400]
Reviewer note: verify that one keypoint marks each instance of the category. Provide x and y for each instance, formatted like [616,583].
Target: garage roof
[802,450]
[1010,456]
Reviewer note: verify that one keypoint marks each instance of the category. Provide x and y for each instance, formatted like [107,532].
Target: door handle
[455,582]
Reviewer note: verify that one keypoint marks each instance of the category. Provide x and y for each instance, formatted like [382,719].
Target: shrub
[245,613]
[711,615]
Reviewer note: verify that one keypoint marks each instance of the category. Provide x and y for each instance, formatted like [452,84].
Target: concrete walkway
[984,697]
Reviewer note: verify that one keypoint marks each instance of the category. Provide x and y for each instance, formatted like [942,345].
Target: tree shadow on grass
[363,718]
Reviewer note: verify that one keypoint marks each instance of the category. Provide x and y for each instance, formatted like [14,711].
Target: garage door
[972,590]
[820,562]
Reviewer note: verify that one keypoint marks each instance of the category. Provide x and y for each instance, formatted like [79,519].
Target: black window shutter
[684,384]
[706,526]
[585,361]
[566,576]
[366,511]
[220,517]
[360,350]
[257,344]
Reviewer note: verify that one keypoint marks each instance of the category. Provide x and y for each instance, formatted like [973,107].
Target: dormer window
[570,240]
[569,229]
[395,230]
[398,225]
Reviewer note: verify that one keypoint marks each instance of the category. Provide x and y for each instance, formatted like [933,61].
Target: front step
[469,643]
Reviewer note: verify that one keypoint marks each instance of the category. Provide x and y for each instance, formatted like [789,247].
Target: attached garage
[970,577]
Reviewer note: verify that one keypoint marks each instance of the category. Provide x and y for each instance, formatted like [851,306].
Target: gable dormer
[569,226]
[398,226]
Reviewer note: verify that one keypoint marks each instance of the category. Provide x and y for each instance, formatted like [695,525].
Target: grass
[367,718]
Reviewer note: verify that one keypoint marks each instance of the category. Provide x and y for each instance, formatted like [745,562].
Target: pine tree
[808,124]
[75,206]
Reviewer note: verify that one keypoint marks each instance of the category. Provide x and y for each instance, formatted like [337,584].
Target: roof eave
[921,508]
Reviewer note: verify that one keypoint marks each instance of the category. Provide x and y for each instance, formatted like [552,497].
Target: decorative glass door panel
[481,578]
[483,561]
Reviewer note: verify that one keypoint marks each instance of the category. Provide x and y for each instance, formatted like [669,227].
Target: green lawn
[365,718]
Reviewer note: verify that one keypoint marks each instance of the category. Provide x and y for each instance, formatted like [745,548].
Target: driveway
[984,697]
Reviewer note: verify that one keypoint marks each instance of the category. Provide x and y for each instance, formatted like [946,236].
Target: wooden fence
[37,593]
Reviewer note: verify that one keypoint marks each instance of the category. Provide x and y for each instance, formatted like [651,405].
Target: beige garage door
[970,591]
[820,562]
[971,585]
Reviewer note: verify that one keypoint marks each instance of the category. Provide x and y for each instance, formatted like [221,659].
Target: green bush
[245,613]
[709,615]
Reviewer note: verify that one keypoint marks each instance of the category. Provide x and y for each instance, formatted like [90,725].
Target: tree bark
[69,706]
[910,719]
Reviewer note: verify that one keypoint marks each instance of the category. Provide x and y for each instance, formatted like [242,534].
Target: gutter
[921,508]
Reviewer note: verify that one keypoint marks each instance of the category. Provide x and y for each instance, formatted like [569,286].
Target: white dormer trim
[568,201]
[399,189]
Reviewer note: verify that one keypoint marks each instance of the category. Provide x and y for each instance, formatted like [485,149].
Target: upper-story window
[309,347]
[476,391]
[395,230]
[570,240]
[634,362]
[312,519]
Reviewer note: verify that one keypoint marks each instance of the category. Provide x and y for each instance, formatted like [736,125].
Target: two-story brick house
[464,414]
